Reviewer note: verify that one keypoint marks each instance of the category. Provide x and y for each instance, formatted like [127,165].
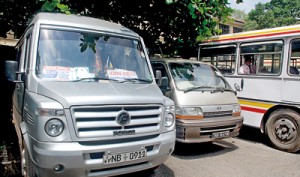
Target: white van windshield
[189,76]
[72,56]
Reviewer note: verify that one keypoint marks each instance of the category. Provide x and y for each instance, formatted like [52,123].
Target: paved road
[248,155]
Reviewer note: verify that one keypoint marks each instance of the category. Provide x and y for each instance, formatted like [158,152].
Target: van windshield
[72,56]
[189,76]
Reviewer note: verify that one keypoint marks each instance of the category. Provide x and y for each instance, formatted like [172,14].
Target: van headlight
[236,111]
[189,113]
[169,119]
[54,127]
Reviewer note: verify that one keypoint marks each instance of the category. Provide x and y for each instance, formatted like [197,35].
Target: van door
[23,60]
[159,66]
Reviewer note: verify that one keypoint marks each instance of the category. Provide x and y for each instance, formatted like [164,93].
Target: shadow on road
[253,135]
[202,150]
[161,171]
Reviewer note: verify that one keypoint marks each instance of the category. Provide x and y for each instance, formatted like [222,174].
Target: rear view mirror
[237,87]
[11,68]
[158,77]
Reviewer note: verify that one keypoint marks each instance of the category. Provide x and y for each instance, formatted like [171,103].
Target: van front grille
[217,114]
[100,121]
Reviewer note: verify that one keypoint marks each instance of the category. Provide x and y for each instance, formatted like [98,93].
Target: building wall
[9,40]
[232,27]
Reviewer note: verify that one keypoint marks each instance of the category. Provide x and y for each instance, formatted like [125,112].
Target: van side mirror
[158,77]
[237,87]
[11,68]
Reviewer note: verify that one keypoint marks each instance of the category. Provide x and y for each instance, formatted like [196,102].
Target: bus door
[291,83]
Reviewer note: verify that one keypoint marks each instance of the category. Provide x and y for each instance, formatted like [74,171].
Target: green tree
[239,14]
[181,23]
[275,13]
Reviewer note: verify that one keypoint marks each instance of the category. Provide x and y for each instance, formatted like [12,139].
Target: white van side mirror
[11,68]
[158,77]
[237,87]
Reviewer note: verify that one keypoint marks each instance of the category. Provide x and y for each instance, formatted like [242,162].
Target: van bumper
[209,129]
[86,159]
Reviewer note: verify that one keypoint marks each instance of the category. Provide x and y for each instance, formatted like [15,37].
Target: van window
[189,75]
[68,55]
[160,67]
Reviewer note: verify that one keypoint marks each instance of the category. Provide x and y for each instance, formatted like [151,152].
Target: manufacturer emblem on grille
[219,108]
[123,118]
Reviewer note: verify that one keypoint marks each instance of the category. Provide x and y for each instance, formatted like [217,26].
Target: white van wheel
[283,130]
[26,163]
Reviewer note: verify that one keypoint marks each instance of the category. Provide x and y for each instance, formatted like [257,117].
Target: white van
[79,107]
[206,106]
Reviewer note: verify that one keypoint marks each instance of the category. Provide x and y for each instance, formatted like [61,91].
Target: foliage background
[275,13]
[172,26]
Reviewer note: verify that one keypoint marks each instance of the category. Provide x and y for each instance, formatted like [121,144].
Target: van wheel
[26,163]
[283,130]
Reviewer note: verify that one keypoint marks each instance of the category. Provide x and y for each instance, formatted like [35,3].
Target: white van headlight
[54,127]
[189,113]
[169,120]
[236,111]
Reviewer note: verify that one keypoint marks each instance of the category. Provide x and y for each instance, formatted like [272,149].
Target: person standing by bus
[247,67]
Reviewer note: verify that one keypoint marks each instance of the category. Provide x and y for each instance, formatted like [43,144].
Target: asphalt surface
[248,155]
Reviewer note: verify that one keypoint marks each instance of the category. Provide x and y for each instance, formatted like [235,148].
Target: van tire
[283,130]
[26,163]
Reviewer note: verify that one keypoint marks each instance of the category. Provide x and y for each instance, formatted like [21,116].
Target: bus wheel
[283,130]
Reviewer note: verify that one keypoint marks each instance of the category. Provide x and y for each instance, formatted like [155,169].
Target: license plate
[124,157]
[220,134]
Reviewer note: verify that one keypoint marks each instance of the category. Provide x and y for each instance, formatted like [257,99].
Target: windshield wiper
[198,87]
[222,89]
[93,79]
[135,79]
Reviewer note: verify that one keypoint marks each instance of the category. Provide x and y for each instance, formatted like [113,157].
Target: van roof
[79,21]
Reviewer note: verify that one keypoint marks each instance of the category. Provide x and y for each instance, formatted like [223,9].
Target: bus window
[222,57]
[294,63]
[267,56]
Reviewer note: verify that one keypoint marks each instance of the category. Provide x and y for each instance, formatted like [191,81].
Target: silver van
[206,106]
[85,101]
